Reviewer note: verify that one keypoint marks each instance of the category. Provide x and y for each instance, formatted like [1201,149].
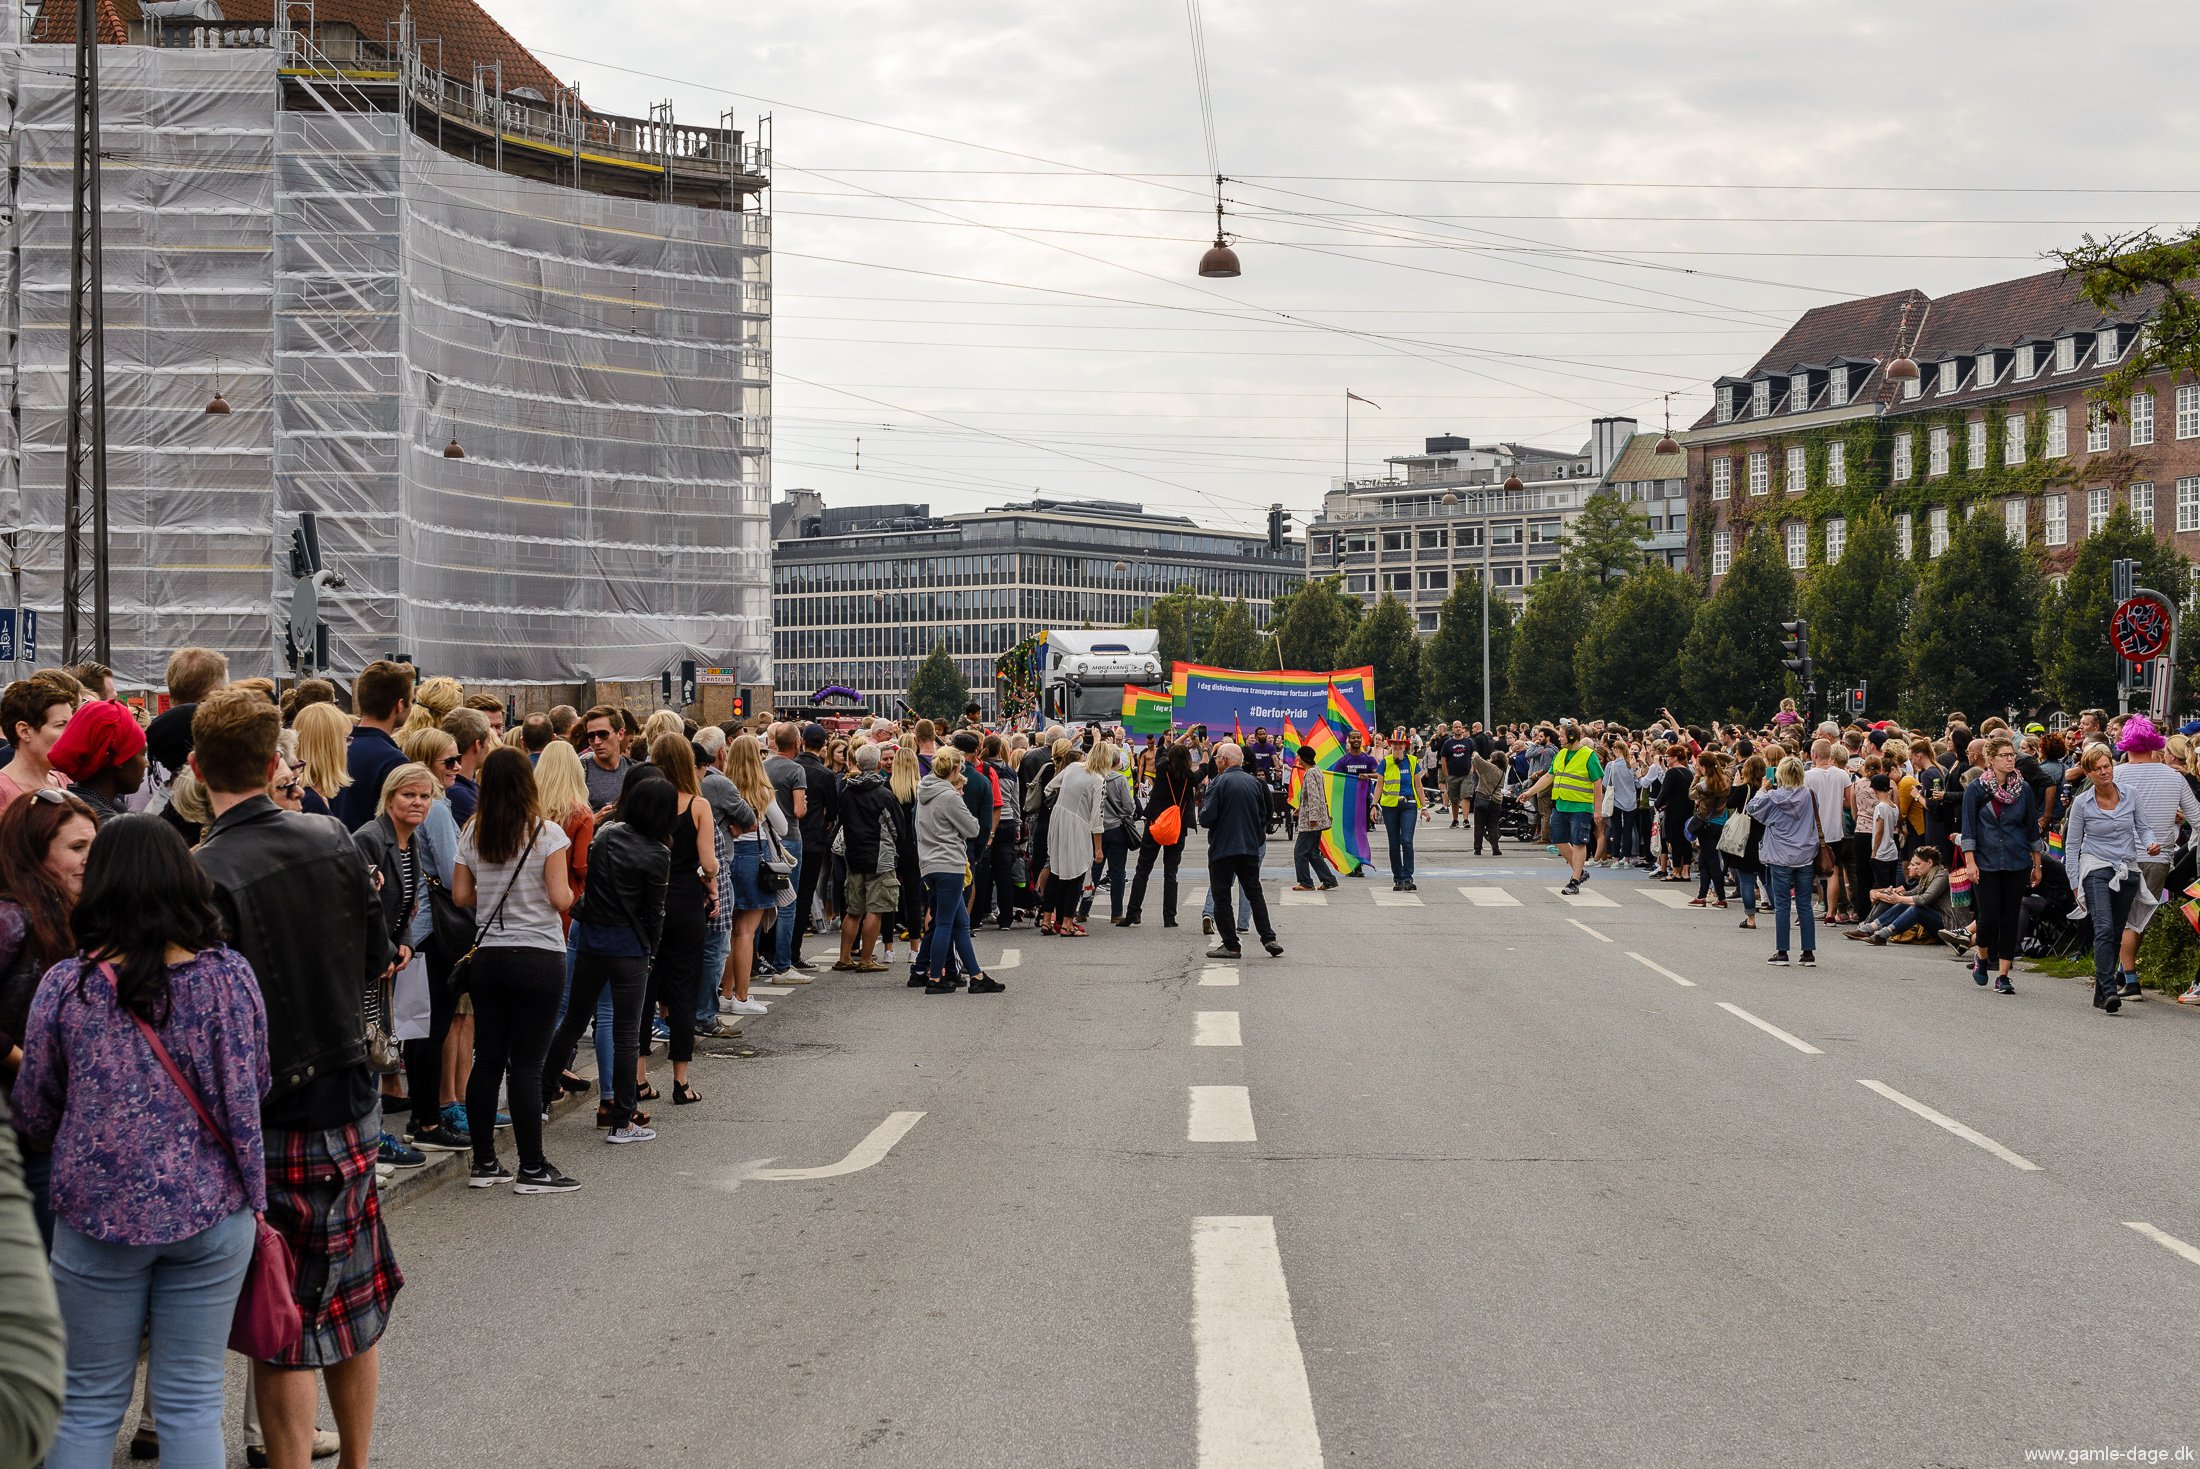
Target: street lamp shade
[217,405]
[1220,262]
[1513,486]
[1902,370]
[452,450]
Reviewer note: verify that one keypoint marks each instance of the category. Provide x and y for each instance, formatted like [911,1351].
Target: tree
[1624,664]
[2113,273]
[1386,641]
[1234,642]
[2077,668]
[1975,648]
[1604,544]
[1730,664]
[1310,625]
[1858,609]
[1540,672]
[1186,622]
[937,691]
[1451,660]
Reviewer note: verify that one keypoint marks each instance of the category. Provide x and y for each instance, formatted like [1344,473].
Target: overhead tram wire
[1364,178]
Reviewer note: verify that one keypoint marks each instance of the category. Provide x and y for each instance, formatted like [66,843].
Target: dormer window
[1726,403]
[1913,387]
[2106,343]
[1837,387]
[1985,369]
[1799,392]
[2027,362]
[1951,375]
[2066,353]
[1760,397]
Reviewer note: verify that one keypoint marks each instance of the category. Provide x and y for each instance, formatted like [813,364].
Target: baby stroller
[1515,819]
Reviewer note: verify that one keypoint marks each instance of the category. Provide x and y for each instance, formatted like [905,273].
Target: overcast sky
[1493,220]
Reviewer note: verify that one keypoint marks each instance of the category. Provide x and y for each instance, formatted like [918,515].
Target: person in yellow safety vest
[1575,781]
[1399,795]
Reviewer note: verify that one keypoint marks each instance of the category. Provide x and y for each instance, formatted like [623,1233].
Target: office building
[860,594]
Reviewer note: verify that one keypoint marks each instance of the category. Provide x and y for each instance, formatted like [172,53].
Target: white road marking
[1489,897]
[1585,928]
[1010,959]
[862,1156]
[1772,1030]
[1254,1408]
[1221,1114]
[1215,1028]
[1660,893]
[2166,1240]
[1295,899]
[771,991]
[1939,1119]
[1583,899]
[1219,974]
[1386,899]
[1660,968]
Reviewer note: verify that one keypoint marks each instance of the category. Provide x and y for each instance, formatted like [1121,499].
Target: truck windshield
[1085,702]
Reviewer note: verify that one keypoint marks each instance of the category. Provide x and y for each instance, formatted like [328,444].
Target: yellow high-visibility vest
[1570,782]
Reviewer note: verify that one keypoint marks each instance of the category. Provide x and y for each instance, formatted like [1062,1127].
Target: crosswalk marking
[1215,1028]
[1219,974]
[1010,959]
[1668,894]
[1489,897]
[1221,1114]
[1385,899]
[1295,899]
[1582,899]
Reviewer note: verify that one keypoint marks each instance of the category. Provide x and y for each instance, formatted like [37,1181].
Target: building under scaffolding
[511,352]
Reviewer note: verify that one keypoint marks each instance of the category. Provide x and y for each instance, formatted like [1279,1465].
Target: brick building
[1813,436]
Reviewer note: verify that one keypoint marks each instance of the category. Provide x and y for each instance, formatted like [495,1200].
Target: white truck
[1082,673]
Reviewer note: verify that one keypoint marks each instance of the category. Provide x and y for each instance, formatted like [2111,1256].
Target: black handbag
[451,928]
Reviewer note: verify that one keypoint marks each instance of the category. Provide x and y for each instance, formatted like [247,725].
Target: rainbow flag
[1345,843]
[1291,743]
[1145,711]
[2055,845]
[1344,716]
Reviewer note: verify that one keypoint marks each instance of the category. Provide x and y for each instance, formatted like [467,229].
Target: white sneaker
[631,1133]
[2191,996]
[743,1007]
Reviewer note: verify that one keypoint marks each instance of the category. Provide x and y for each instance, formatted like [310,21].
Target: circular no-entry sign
[2139,629]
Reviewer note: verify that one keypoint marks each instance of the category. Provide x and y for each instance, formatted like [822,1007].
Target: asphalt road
[1498,1188]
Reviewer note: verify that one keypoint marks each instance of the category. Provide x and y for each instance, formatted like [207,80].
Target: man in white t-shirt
[1828,785]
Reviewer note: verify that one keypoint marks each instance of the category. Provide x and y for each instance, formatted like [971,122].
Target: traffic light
[740,705]
[1795,649]
[1278,518]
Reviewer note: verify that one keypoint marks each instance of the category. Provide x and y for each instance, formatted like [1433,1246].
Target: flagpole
[1348,436]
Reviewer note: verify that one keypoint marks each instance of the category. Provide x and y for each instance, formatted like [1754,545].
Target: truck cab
[1084,673]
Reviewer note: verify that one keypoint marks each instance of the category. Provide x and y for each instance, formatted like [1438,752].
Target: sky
[1498,221]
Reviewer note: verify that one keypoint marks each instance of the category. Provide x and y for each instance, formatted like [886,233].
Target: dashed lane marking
[1941,1119]
[1585,928]
[1582,899]
[1385,899]
[1215,1028]
[1652,964]
[1668,894]
[1253,1407]
[1772,1030]
[1221,1114]
[1292,898]
[1219,974]
[2166,1240]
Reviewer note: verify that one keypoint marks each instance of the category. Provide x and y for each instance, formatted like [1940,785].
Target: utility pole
[87,456]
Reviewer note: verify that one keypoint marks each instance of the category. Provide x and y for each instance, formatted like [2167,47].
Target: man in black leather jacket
[299,905]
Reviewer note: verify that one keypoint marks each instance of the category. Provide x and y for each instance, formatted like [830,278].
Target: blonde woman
[1073,834]
[431,700]
[745,768]
[908,774]
[660,724]
[561,791]
[324,735]
[449,1048]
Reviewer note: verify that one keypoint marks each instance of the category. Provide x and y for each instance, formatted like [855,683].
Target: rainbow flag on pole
[1345,843]
[1146,712]
[1344,716]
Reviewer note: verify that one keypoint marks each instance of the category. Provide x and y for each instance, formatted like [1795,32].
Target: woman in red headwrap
[103,752]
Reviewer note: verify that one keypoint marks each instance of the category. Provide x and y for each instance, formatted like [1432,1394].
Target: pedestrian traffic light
[1795,648]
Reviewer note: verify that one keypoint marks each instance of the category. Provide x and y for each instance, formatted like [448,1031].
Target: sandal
[684,1095]
[1747,923]
[1073,930]
[573,1086]
[646,1093]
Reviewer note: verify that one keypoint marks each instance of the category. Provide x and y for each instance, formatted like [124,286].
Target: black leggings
[1063,891]
[1710,879]
[675,982]
[515,1008]
[628,976]
[1999,898]
[424,1058]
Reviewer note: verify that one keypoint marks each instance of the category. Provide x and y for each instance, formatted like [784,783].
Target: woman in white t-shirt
[511,872]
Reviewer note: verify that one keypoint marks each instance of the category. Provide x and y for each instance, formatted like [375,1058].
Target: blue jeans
[783,934]
[1893,918]
[1398,824]
[2108,910]
[1791,884]
[1746,884]
[717,948]
[186,1295]
[601,1029]
[950,924]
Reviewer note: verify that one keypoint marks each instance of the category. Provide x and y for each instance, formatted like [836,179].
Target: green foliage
[1624,664]
[1186,622]
[1858,609]
[1975,648]
[1451,660]
[1730,664]
[1386,641]
[1540,672]
[1310,625]
[2115,270]
[2169,955]
[937,690]
[1233,642]
[1603,545]
[2077,668]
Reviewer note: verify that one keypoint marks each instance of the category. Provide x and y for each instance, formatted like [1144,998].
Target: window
[1974,444]
[2012,519]
[2188,411]
[1901,457]
[1985,370]
[1914,387]
[1951,375]
[2012,439]
[2105,345]
[2055,509]
[2142,505]
[1432,581]
[1798,477]
[1760,397]
[1837,464]
[1726,404]
[1505,535]
[1837,539]
[1323,546]
[1360,581]
[1397,581]
[1358,543]
[2096,510]
[2142,419]
[1799,392]
[1936,530]
[1936,451]
[1432,540]
[1427,621]
[1722,478]
[1797,536]
[1722,551]
[1837,388]
[2027,362]
[1545,532]
[1905,543]
[2066,353]
[1760,473]
[1506,576]
[2058,432]
[1397,540]
[2188,504]
[2096,429]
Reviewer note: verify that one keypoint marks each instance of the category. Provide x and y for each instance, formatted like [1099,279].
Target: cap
[2037,728]
[2189,728]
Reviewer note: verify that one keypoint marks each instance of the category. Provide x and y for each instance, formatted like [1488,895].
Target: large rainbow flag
[1345,844]
[1146,711]
[1233,698]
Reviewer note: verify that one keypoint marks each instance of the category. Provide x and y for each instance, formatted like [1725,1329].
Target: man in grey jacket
[1235,813]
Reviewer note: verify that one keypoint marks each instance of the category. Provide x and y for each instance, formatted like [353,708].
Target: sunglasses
[449,762]
[598,734]
[50,796]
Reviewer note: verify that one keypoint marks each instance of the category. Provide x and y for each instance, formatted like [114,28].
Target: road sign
[2139,629]
[7,634]
[30,636]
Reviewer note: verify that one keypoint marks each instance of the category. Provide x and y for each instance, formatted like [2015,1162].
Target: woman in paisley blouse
[153,1227]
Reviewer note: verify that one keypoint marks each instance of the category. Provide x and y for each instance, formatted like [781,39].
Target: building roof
[470,35]
[1640,460]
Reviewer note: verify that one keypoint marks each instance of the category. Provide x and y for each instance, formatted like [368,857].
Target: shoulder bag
[1734,837]
[268,1323]
[1167,829]
[458,980]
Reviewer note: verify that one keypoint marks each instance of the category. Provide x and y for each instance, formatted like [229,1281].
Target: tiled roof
[57,22]
[1862,328]
[1640,460]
